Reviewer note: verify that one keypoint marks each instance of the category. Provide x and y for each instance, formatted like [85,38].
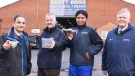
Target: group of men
[118,57]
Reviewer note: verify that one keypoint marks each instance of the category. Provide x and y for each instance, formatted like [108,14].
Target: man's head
[19,23]
[50,20]
[123,17]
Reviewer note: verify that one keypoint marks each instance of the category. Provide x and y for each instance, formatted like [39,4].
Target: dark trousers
[48,72]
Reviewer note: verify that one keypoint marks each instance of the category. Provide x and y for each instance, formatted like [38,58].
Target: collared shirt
[120,30]
[18,34]
[22,42]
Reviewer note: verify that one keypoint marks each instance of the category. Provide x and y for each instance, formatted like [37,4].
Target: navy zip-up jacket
[119,52]
[85,39]
[51,58]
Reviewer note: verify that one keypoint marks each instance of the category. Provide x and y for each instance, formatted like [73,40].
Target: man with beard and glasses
[50,48]
[118,57]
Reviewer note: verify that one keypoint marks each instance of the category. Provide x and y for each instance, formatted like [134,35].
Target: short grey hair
[51,14]
[123,11]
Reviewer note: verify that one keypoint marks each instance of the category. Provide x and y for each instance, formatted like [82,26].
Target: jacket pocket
[4,68]
[29,66]
[133,60]
[110,60]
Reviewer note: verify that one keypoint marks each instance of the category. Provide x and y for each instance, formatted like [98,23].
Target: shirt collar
[123,28]
[18,34]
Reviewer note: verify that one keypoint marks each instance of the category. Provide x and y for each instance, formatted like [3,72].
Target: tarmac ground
[65,64]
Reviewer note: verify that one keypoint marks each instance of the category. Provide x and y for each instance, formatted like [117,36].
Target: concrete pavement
[65,64]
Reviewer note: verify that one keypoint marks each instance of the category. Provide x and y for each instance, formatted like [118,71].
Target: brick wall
[101,12]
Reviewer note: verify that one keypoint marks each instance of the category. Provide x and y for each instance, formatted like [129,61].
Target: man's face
[123,19]
[50,21]
[81,19]
[19,24]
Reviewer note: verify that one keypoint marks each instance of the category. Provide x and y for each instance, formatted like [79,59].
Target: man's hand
[52,44]
[104,73]
[6,45]
[69,35]
[87,55]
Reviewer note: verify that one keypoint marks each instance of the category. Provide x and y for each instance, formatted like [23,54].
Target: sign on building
[64,8]
[35,31]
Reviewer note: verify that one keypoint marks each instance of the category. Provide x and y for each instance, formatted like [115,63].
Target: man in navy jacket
[119,51]
[49,59]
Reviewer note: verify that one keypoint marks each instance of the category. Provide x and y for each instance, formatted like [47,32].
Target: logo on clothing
[126,39]
[110,39]
[84,32]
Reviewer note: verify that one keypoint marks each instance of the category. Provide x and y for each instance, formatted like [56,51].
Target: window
[104,34]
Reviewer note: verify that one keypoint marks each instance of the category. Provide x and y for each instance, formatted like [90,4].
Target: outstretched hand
[7,45]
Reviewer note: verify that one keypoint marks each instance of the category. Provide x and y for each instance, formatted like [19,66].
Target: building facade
[101,12]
